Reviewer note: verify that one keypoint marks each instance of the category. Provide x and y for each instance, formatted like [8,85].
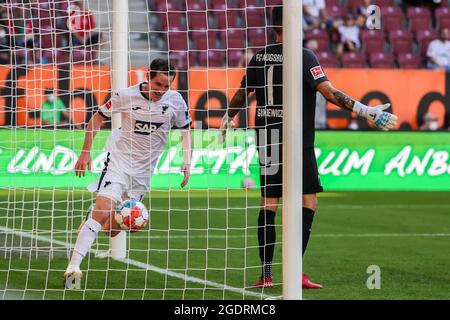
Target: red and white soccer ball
[132,215]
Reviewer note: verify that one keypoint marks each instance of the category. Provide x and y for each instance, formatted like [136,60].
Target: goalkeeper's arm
[236,104]
[85,158]
[382,120]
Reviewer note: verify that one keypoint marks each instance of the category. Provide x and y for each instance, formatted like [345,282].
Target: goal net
[56,70]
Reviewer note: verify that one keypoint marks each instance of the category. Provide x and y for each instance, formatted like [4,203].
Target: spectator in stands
[430,122]
[82,25]
[362,13]
[438,52]
[5,46]
[349,36]
[53,111]
[315,15]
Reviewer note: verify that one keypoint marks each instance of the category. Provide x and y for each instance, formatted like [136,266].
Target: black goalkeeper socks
[266,240]
[308,216]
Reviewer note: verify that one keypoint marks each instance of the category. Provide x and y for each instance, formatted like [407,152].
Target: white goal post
[292,150]
[119,73]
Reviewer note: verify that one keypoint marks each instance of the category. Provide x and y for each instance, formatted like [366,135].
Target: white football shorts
[114,182]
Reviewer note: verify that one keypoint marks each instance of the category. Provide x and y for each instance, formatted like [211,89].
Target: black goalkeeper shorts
[271,171]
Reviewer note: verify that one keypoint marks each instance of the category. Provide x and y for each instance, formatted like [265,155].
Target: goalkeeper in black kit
[264,77]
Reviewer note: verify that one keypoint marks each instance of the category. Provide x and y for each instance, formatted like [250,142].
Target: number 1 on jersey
[270,85]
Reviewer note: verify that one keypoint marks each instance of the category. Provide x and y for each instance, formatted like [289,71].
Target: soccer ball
[248,183]
[132,215]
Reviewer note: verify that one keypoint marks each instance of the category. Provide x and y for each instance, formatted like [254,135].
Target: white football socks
[85,239]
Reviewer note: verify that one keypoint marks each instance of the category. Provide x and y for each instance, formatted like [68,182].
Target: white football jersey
[145,126]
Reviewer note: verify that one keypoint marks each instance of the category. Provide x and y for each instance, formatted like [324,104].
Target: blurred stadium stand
[220,32]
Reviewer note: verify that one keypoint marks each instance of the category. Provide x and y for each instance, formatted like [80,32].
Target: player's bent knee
[310,202]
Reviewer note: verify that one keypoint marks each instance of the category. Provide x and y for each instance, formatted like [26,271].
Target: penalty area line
[141,265]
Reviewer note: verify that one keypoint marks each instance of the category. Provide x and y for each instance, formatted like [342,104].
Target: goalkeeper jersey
[142,136]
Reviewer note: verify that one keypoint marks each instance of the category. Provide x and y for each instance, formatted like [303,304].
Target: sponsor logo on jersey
[317,72]
[145,128]
[135,108]
[108,105]
[164,109]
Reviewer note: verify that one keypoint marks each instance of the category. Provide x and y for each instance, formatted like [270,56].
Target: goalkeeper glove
[227,123]
[382,120]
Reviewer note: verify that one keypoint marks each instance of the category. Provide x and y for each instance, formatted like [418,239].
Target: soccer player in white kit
[148,111]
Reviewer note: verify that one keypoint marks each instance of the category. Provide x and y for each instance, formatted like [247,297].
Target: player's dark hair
[277,19]
[162,65]
[48,91]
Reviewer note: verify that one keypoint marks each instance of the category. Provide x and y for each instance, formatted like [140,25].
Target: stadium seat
[226,19]
[409,61]
[335,12]
[234,57]
[372,41]
[353,60]
[321,36]
[164,6]
[401,41]
[251,3]
[328,59]
[195,5]
[330,3]
[211,58]
[382,60]
[384,3]
[392,18]
[442,17]
[419,18]
[257,37]
[171,21]
[47,40]
[211,4]
[183,59]
[272,3]
[233,39]
[178,41]
[424,38]
[234,4]
[204,40]
[255,17]
[197,20]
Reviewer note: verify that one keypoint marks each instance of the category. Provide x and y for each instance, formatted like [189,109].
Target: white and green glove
[382,120]
[227,123]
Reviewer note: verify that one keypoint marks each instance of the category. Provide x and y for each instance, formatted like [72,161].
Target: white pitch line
[324,235]
[141,265]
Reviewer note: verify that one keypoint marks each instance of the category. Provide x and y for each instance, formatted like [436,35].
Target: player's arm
[85,158]
[186,142]
[382,120]
[239,99]
[236,104]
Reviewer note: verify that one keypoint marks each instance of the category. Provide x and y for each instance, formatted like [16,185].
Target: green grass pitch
[210,251]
